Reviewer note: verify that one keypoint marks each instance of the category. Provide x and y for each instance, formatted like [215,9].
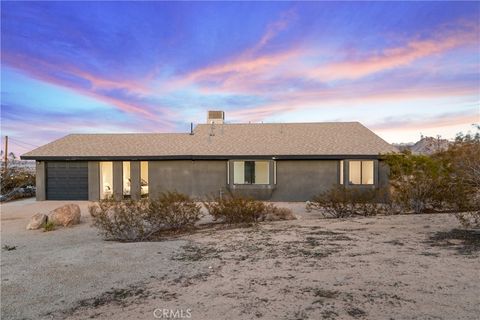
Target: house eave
[201,157]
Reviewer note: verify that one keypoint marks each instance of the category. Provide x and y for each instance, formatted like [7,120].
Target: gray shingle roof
[327,139]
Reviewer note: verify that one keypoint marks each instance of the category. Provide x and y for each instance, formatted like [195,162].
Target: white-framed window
[106,179]
[361,172]
[251,172]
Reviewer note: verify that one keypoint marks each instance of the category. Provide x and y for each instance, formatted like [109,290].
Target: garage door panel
[67,180]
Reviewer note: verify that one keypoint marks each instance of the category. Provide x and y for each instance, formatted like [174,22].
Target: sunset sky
[401,68]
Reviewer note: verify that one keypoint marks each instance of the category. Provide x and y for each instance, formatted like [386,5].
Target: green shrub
[419,182]
[463,158]
[463,161]
[445,181]
[132,220]
[48,226]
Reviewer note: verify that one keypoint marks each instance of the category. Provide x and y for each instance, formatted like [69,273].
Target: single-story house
[271,161]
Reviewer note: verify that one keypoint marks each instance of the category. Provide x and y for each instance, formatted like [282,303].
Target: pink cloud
[250,64]
[353,93]
[273,29]
[253,73]
[392,57]
[416,124]
[44,71]
[133,87]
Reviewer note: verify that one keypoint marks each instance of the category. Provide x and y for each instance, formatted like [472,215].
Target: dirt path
[399,267]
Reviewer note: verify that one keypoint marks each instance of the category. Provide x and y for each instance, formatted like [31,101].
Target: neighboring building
[278,162]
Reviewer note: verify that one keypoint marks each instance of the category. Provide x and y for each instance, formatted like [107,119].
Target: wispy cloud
[129,94]
[276,72]
[375,91]
[238,73]
[413,122]
[387,59]
[274,28]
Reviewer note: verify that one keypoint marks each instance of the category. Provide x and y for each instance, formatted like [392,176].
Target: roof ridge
[124,133]
[278,123]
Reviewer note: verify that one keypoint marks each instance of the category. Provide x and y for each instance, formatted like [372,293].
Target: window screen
[126,178]
[144,178]
[261,172]
[106,179]
[355,172]
[238,172]
[367,172]
[361,172]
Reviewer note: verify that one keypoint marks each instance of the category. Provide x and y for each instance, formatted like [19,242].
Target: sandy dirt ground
[389,267]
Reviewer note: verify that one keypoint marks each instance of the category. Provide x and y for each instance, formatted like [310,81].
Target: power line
[26,143]
[19,151]
[21,146]
[23,142]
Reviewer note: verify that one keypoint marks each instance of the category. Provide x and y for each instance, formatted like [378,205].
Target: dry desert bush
[236,209]
[131,220]
[341,202]
[274,213]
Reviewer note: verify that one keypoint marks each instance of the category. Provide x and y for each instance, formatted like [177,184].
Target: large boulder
[66,215]
[37,221]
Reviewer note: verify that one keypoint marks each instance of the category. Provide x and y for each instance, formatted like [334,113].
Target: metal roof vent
[217,117]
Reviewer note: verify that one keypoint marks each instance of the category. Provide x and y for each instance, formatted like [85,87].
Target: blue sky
[401,68]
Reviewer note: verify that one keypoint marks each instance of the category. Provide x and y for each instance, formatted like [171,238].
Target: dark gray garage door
[67,180]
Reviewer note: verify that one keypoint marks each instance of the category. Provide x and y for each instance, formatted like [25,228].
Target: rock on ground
[36,221]
[66,215]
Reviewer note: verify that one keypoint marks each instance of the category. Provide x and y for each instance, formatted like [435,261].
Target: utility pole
[6,154]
